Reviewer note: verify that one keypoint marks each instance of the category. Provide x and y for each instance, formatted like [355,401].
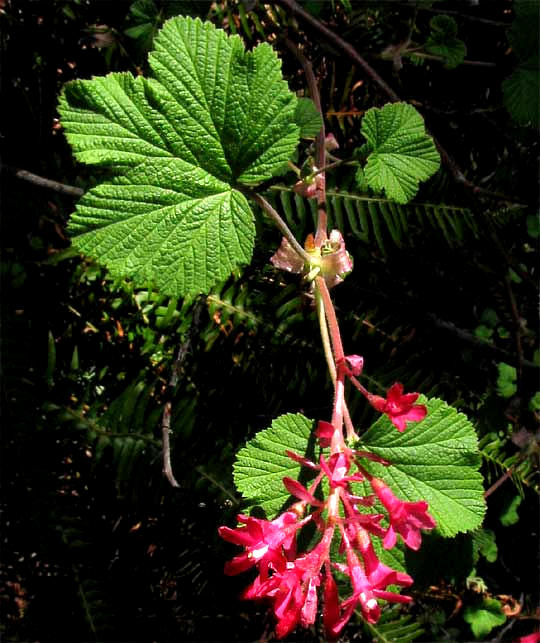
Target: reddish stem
[320,148]
[359,386]
[331,318]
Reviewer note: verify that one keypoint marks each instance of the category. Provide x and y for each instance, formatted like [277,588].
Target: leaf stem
[283,227]
[359,386]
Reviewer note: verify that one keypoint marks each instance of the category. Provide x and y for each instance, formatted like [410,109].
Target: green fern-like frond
[377,220]
[250,22]
[393,628]
[494,451]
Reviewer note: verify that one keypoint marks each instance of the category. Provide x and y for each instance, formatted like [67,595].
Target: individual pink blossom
[331,611]
[362,593]
[355,364]
[406,518]
[331,260]
[330,142]
[298,490]
[264,541]
[369,582]
[356,520]
[337,469]
[306,189]
[286,258]
[379,574]
[398,407]
[336,262]
[324,432]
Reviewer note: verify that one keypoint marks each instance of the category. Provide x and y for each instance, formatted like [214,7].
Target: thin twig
[351,52]
[472,63]
[499,482]
[486,21]
[166,444]
[45,183]
[263,203]
[336,40]
[171,390]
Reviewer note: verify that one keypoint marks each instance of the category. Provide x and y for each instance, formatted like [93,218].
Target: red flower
[379,574]
[362,593]
[284,588]
[263,540]
[530,638]
[324,432]
[406,518]
[331,612]
[293,588]
[336,470]
[399,408]
[369,583]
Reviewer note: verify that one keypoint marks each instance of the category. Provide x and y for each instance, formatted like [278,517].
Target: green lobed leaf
[509,514]
[506,380]
[484,617]
[214,115]
[401,154]
[485,544]
[166,222]
[534,403]
[442,41]
[262,464]
[521,93]
[308,118]
[436,460]
[523,34]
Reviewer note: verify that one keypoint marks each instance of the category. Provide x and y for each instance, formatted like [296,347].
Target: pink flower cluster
[294,582]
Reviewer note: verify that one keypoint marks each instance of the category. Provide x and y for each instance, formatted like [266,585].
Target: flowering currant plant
[330,507]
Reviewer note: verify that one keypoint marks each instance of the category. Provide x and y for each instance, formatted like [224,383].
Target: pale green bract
[401,154]
[436,460]
[212,118]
